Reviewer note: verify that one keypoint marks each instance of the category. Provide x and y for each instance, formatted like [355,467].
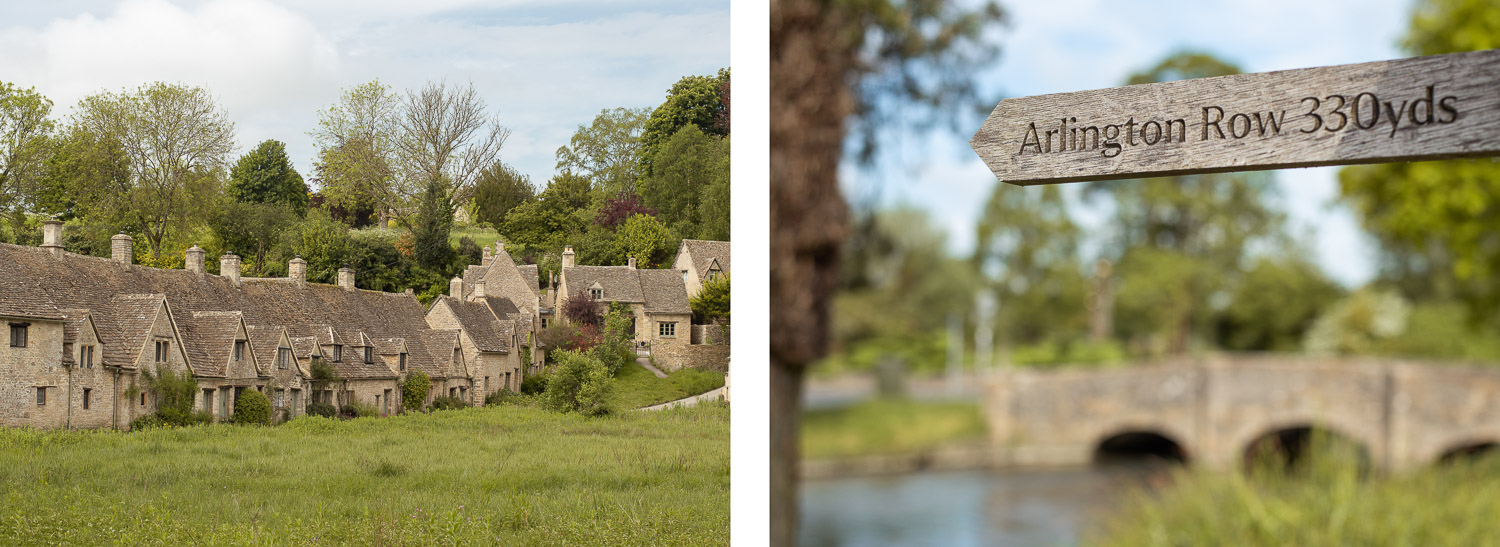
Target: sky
[543,67]
[1073,45]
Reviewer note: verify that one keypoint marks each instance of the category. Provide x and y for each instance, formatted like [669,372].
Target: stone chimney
[52,236]
[479,290]
[194,259]
[456,285]
[346,278]
[296,269]
[568,257]
[122,248]
[229,268]
[410,292]
[630,262]
[488,256]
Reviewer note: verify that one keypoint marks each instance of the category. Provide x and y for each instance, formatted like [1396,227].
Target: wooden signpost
[1423,108]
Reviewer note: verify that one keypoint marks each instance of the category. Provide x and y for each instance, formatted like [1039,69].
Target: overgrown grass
[883,426]
[636,387]
[492,476]
[1325,502]
[481,236]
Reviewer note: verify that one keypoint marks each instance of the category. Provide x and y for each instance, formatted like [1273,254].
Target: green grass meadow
[507,475]
[886,426]
[636,387]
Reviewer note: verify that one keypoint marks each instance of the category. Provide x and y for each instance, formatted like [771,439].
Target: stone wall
[25,369]
[678,356]
[711,334]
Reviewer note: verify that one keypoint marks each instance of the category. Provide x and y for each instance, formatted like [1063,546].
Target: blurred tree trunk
[811,102]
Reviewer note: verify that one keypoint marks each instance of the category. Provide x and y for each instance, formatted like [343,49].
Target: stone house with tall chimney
[657,300]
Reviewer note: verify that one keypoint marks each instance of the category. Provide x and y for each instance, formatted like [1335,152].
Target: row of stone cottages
[81,331]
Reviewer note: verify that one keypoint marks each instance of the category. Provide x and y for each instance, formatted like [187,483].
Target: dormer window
[455,356]
[338,352]
[596,294]
[239,350]
[86,356]
[163,349]
[283,357]
[403,361]
[369,355]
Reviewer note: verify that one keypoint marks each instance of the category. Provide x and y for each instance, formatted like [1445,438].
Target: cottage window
[666,328]
[86,354]
[41,396]
[86,393]
[143,399]
[369,355]
[283,357]
[163,348]
[544,322]
[18,334]
[596,294]
[507,380]
[403,361]
[280,398]
[338,352]
[239,350]
[208,401]
[452,392]
[456,357]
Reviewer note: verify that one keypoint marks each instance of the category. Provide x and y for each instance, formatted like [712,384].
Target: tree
[434,223]
[693,100]
[616,349]
[685,165]
[177,142]
[1027,248]
[414,390]
[581,384]
[618,209]
[713,301]
[646,239]
[581,309]
[265,175]
[81,170]
[24,143]
[829,61]
[714,209]
[356,149]
[251,230]
[607,151]
[500,189]
[1275,304]
[323,242]
[446,139]
[1434,220]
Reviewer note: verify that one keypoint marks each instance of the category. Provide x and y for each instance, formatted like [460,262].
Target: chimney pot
[121,249]
[296,269]
[194,259]
[456,287]
[229,268]
[567,257]
[479,290]
[488,256]
[630,262]
[346,278]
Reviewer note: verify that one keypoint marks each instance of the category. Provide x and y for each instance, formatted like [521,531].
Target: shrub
[581,309]
[321,409]
[448,403]
[534,384]
[616,347]
[498,398]
[356,409]
[146,422]
[414,390]
[252,407]
[582,383]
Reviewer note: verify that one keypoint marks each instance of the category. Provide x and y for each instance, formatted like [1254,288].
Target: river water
[979,507]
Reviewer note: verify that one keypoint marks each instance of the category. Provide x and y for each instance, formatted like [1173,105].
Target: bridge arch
[1469,450]
[1286,446]
[1139,445]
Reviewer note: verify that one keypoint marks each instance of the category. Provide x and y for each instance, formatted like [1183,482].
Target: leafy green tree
[712,302]
[560,214]
[714,208]
[617,349]
[607,151]
[434,223]
[582,384]
[686,164]
[323,242]
[1027,248]
[414,390]
[647,240]
[82,168]
[1434,220]
[1275,304]
[177,142]
[265,175]
[693,100]
[356,140]
[24,143]
[251,230]
[500,189]
[252,407]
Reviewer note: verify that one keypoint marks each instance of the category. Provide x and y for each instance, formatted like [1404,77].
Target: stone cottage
[657,299]
[699,261]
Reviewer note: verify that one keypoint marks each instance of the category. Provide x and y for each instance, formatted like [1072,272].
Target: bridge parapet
[1214,407]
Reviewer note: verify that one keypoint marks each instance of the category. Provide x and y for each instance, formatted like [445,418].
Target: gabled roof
[619,283]
[441,343]
[530,273]
[21,298]
[665,292]
[208,339]
[264,341]
[476,319]
[131,317]
[705,252]
[501,277]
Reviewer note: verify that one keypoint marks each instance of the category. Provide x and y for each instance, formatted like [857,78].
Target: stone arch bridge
[1405,414]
